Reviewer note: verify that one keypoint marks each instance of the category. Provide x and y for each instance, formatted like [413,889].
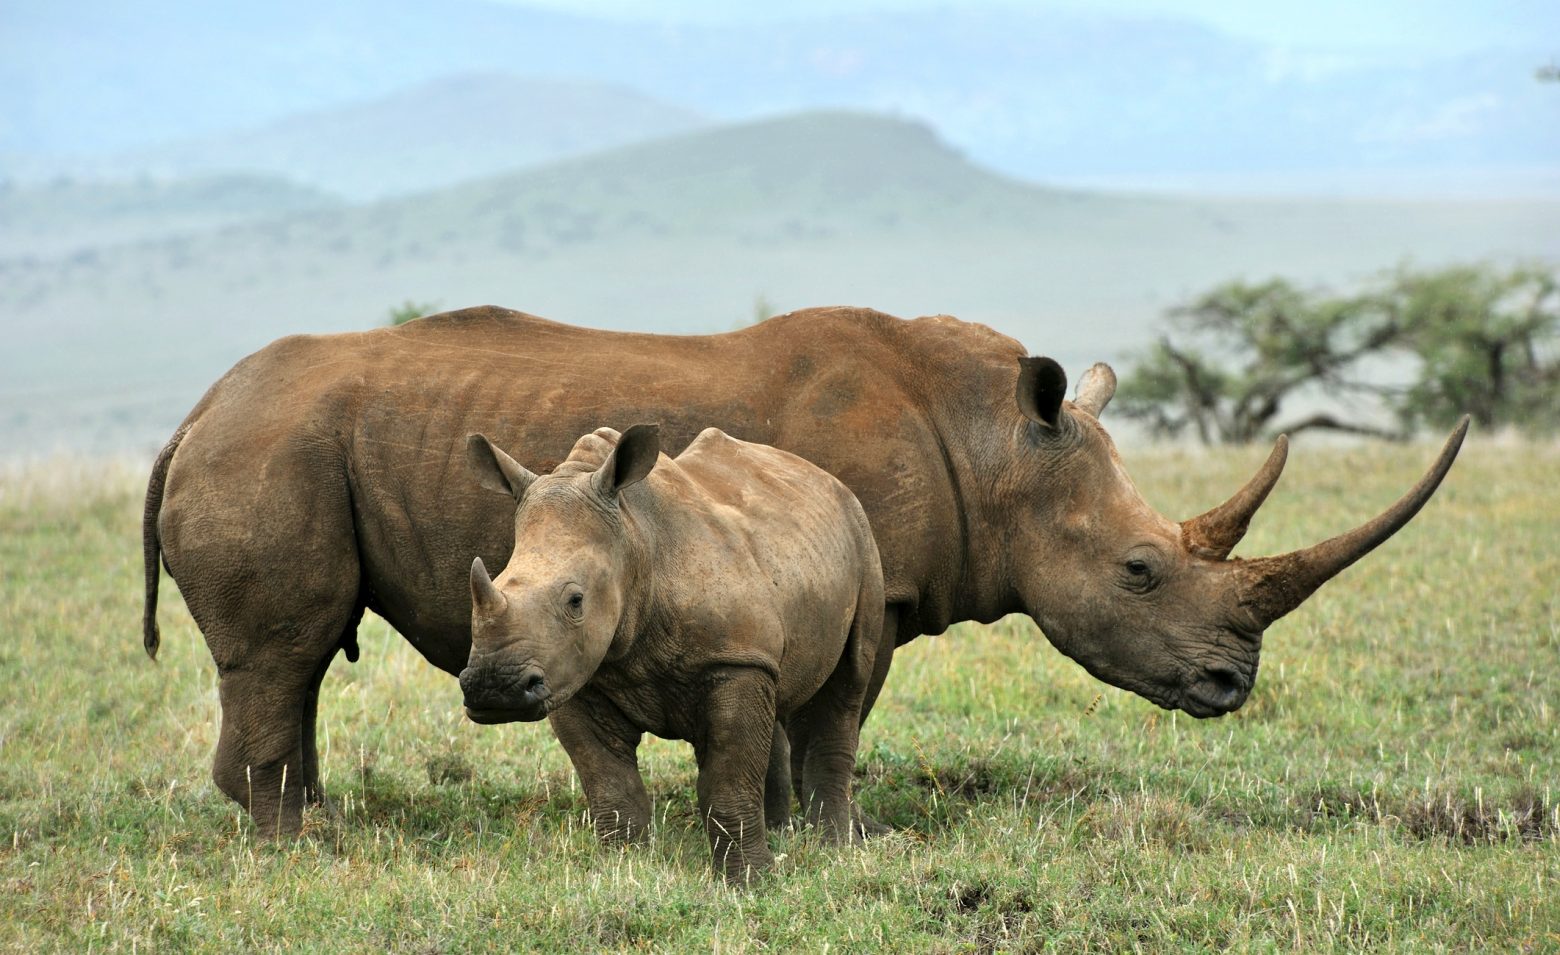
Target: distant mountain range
[1043,93]
[435,134]
[107,347]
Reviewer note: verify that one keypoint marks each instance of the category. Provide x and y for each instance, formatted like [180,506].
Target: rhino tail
[151,546]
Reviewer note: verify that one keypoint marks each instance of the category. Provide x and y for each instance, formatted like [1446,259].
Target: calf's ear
[496,470]
[1041,387]
[632,459]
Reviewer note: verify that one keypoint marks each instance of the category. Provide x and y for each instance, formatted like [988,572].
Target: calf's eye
[1137,568]
[576,602]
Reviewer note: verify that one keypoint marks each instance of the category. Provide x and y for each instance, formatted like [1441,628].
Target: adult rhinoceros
[326,474]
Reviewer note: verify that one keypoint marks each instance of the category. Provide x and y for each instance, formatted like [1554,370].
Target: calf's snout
[504,694]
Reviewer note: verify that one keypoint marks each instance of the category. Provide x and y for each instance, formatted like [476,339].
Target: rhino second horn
[1215,533]
[1095,389]
[1273,586]
[484,596]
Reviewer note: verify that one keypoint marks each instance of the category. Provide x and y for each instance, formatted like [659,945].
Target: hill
[435,134]
[1039,91]
[684,235]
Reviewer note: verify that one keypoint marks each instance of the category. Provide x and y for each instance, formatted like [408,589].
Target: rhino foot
[866,827]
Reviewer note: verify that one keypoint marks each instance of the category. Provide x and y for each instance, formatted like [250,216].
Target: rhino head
[1144,603]
[555,612]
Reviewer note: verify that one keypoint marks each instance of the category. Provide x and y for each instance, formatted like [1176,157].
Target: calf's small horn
[1215,533]
[1273,586]
[484,596]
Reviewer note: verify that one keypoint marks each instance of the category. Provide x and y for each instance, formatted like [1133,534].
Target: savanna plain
[1390,785]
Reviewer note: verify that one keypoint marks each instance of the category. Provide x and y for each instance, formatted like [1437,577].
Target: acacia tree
[1480,340]
[1487,342]
[1237,352]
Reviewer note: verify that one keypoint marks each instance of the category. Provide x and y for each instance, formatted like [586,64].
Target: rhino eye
[574,602]
[1138,575]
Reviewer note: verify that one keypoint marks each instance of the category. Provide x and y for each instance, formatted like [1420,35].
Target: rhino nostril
[532,685]
[1226,680]
[1220,689]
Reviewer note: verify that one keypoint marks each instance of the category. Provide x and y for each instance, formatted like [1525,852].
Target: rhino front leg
[734,755]
[604,748]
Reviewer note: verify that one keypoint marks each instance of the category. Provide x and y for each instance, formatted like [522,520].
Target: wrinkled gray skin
[700,598]
[326,474]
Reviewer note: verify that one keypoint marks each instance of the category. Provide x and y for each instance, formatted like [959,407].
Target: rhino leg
[604,748]
[800,731]
[733,753]
[777,782]
[831,722]
[269,686]
[884,657]
[274,587]
[313,788]
[260,753]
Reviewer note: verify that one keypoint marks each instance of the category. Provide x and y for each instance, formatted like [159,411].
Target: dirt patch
[1526,815]
[446,769]
[1000,921]
[968,782]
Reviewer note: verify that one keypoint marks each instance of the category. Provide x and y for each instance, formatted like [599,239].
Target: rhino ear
[632,459]
[496,470]
[1041,387]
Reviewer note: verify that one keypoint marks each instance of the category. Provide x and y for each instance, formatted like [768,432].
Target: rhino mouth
[498,695]
[490,717]
[1217,691]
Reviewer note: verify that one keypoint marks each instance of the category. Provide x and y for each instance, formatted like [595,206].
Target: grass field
[1392,783]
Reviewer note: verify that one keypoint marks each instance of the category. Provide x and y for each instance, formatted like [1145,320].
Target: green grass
[1390,785]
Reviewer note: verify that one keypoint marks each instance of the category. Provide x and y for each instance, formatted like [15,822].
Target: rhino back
[759,555]
[382,417]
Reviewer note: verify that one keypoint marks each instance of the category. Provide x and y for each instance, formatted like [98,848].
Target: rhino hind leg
[313,785]
[777,781]
[269,570]
[269,683]
[887,641]
[260,760]
[829,725]
[846,692]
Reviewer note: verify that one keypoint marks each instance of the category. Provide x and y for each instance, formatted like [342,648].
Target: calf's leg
[604,748]
[733,752]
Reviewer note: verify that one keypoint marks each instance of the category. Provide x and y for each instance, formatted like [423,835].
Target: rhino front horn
[484,596]
[1273,586]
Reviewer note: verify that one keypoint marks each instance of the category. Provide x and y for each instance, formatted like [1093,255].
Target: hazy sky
[1429,25]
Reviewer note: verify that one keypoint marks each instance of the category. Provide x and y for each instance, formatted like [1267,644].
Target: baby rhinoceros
[702,598]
